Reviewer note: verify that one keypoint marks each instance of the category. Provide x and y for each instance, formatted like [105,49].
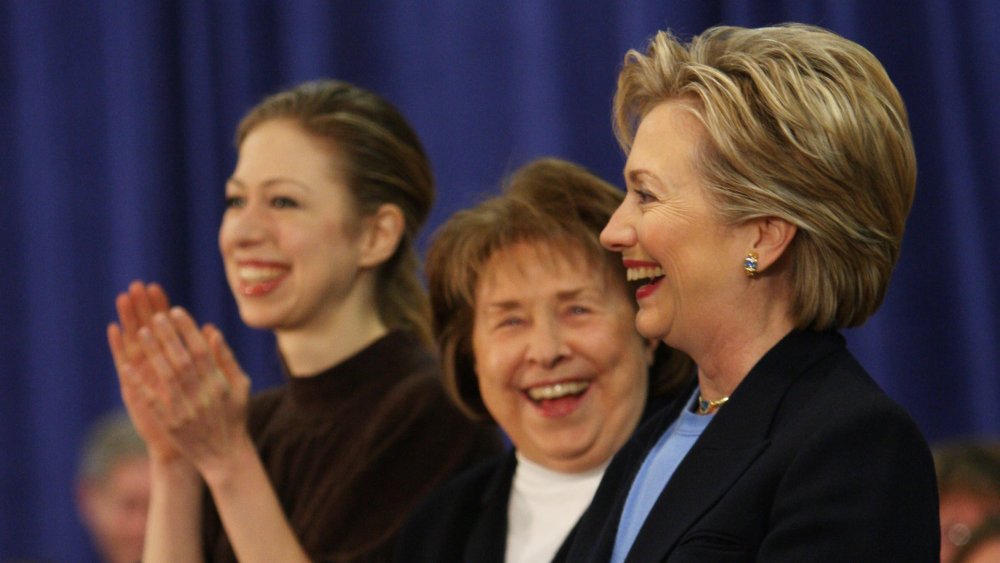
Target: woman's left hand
[202,402]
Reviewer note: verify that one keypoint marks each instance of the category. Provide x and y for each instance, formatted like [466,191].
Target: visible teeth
[634,274]
[558,390]
[257,274]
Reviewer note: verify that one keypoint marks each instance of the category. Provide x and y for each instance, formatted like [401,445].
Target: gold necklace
[708,407]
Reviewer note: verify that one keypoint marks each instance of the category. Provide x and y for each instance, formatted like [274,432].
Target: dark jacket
[466,519]
[808,461]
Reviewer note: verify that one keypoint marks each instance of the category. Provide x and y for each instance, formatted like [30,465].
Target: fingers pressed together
[179,382]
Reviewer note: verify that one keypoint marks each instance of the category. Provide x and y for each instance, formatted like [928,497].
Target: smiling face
[668,233]
[289,237]
[560,366]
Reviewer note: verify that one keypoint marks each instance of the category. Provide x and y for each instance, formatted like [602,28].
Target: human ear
[383,231]
[771,238]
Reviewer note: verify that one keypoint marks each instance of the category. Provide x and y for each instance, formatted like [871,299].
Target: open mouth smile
[256,279]
[557,390]
[637,272]
[558,399]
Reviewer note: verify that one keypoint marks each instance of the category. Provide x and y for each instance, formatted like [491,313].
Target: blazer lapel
[487,541]
[701,479]
[732,441]
[596,528]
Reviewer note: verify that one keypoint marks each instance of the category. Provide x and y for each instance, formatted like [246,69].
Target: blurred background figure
[113,488]
[968,475]
[983,545]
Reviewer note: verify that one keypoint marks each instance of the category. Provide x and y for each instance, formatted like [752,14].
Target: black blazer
[465,520]
[808,461]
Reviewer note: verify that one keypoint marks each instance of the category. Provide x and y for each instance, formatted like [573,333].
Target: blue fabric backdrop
[117,119]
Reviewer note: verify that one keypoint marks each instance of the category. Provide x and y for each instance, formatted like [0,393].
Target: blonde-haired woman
[770,172]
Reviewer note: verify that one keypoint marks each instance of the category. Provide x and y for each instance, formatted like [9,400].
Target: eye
[234,201]
[510,322]
[643,196]
[577,310]
[282,202]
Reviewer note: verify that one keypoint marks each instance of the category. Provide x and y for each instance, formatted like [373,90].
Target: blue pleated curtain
[117,118]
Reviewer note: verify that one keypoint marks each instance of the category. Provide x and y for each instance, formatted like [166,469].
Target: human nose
[244,226]
[547,345]
[618,234]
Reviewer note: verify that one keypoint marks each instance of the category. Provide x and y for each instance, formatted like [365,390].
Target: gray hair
[110,439]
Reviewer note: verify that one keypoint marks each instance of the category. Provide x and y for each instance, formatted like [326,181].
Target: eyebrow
[635,175]
[561,296]
[570,294]
[271,182]
[502,306]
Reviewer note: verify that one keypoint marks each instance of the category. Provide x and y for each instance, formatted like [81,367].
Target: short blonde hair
[550,202]
[804,125]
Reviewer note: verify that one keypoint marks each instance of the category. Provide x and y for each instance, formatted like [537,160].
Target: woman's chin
[259,324]
[255,318]
[650,326]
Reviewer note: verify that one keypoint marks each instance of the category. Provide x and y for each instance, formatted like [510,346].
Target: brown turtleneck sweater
[351,450]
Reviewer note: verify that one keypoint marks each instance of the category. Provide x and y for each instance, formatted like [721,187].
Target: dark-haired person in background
[968,477]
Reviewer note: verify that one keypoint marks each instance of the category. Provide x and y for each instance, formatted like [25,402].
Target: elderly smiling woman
[770,172]
[534,323]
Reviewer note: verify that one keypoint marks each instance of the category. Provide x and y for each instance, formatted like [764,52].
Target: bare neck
[349,328]
[761,320]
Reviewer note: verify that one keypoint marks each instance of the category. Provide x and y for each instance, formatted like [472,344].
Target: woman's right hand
[202,401]
[136,377]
